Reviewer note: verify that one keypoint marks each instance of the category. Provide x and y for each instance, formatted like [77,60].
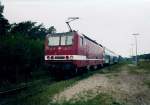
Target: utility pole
[132,52]
[136,58]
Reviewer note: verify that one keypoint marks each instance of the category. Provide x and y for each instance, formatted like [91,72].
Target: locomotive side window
[81,41]
[53,41]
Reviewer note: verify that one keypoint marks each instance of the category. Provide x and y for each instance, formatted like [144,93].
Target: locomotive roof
[110,51]
[66,33]
[92,40]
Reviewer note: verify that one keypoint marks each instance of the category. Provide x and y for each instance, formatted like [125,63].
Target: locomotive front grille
[59,57]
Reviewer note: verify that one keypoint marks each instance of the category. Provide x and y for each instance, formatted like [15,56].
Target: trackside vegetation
[20,57]
[21,51]
[43,90]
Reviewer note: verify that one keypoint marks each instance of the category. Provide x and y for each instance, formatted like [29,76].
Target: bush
[19,56]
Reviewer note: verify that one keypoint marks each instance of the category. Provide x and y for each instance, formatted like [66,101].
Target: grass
[37,76]
[112,69]
[147,82]
[144,65]
[100,99]
[42,92]
[142,68]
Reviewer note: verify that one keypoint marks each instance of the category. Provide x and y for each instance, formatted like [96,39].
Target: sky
[109,22]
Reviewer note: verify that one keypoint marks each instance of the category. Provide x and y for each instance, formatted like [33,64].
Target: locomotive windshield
[53,41]
[57,40]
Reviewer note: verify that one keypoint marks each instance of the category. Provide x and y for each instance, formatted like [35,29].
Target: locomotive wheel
[100,66]
[81,71]
[70,71]
[87,68]
[75,70]
[95,67]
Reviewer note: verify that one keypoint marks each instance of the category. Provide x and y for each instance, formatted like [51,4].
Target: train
[69,53]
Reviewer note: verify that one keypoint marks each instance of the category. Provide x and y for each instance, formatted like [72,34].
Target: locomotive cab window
[63,40]
[53,41]
[66,40]
[69,40]
[60,40]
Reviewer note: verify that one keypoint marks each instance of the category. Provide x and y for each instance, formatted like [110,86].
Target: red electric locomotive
[71,52]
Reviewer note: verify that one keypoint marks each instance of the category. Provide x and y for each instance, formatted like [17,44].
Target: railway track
[12,91]
[24,87]
[7,96]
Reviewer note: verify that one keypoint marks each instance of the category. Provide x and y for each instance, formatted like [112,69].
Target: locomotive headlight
[67,57]
[71,57]
[48,57]
[52,57]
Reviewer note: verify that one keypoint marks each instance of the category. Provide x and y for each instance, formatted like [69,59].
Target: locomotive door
[82,51]
[87,52]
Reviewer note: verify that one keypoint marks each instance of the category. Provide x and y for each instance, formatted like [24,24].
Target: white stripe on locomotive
[70,57]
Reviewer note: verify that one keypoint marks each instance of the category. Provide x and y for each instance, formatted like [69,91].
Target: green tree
[22,27]
[31,29]
[4,24]
[51,30]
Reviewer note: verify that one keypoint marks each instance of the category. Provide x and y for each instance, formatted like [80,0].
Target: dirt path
[82,86]
[122,85]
